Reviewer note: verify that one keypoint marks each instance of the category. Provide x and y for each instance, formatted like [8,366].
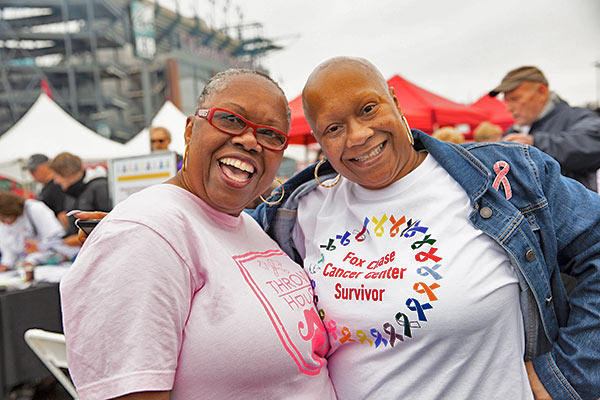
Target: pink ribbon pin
[501,168]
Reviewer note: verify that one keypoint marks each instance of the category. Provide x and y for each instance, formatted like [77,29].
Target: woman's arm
[538,389]
[43,221]
[125,303]
[7,256]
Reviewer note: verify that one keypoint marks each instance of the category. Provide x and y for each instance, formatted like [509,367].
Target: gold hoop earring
[185,156]
[272,203]
[337,180]
[411,139]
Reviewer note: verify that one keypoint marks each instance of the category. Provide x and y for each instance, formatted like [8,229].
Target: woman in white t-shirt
[178,294]
[383,308]
[437,266]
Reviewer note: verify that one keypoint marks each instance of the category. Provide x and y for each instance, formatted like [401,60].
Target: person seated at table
[30,233]
[178,294]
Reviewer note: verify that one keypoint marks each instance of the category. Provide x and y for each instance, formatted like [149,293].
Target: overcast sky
[459,49]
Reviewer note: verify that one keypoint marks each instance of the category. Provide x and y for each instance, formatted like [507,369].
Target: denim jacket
[547,225]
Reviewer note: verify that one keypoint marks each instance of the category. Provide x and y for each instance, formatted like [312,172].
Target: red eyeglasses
[229,122]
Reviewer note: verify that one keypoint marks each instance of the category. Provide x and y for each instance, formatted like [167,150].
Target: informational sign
[132,174]
[142,24]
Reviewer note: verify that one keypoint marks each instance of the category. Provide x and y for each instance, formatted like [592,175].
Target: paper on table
[13,279]
[43,273]
[51,273]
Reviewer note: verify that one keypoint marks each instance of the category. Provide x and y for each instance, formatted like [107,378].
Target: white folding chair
[51,349]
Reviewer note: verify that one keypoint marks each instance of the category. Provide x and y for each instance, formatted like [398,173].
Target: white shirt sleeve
[43,220]
[7,256]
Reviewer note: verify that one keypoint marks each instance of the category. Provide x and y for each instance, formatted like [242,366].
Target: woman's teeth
[371,154]
[236,170]
[239,164]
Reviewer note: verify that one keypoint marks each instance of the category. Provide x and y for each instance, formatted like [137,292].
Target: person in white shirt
[29,231]
[436,265]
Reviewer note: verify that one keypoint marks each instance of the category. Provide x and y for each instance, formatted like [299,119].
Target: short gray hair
[215,82]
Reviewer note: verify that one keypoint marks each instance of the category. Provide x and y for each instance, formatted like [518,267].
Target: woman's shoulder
[153,206]
[157,197]
[495,149]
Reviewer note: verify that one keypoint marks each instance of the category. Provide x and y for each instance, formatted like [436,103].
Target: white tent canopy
[48,129]
[14,170]
[169,117]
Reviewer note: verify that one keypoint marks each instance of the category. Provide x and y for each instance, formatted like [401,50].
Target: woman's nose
[358,133]
[247,140]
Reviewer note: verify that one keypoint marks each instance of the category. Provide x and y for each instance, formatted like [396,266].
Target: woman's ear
[189,125]
[395,99]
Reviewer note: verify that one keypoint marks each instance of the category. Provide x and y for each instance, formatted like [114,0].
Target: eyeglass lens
[234,125]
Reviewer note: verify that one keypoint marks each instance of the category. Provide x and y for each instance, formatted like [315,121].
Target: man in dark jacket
[569,134]
[87,188]
[51,193]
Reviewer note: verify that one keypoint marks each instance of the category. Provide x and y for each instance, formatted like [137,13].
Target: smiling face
[226,171]
[357,121]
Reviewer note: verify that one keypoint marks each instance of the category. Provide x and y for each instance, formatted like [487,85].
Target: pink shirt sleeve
[125,304]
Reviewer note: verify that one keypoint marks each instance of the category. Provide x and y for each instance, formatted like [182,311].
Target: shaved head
[348,66]
[358,122]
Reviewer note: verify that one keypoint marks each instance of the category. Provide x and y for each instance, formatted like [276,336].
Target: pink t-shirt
[170,294]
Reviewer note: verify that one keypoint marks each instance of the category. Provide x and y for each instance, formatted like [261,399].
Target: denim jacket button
[530,255]
[485,212]
[548,300]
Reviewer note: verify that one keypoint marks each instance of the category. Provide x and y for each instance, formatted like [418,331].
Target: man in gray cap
[51,193]
[542,119]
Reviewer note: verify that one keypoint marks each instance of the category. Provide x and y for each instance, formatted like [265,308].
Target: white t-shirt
[168,293]
[417,302]
[37,222]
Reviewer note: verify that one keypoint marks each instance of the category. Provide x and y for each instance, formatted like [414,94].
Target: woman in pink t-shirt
[178,294]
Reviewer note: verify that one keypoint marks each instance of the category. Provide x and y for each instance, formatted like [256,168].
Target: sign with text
[132,174]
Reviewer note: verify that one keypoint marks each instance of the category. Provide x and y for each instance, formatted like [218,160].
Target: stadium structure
[112,63]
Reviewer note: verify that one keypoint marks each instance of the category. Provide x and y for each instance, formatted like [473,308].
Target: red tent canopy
[496,109]
[299,130]
[426,111]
